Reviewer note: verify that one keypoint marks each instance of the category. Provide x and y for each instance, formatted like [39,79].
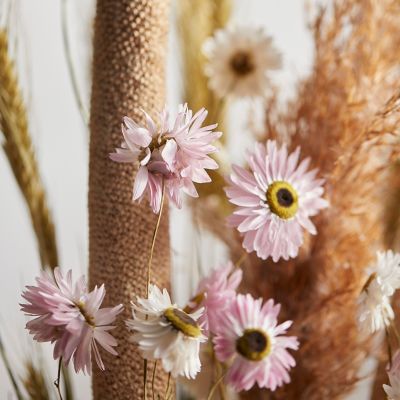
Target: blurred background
[61,144]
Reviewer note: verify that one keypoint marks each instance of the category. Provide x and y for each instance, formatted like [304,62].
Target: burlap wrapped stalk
[128,75]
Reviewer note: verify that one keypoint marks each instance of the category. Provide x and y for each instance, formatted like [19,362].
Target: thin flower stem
[70,64]
[168,385]
[153,379]
[153,241]
[68,394]
[145,379]
[214,387]
[57,381]
[10,372]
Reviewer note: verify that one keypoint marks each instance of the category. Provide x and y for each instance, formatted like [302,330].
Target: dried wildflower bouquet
[304,300]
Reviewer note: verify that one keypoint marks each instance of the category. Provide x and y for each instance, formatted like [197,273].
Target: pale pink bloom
[275,200]
[215,294]
[195,143]
[393,390]
[71,317]
[251,342]
[50,294]
[173,151]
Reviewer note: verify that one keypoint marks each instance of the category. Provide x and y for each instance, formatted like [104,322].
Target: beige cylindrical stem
[128,75]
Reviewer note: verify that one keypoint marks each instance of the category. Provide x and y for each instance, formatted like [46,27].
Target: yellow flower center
[242,63]
[254,344]
[282,199]
[182,322]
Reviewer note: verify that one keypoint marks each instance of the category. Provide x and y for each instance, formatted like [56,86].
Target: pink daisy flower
[215,294]
[251,340]
[70,316]
[44,299]
[174,152]
[275,200]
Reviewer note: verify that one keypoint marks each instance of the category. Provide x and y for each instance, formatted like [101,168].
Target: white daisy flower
[239,59]
[167,333]
[375,311]
[387,269]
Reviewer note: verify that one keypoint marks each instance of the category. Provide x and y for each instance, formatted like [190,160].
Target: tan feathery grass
[19,151]
[35,383]
[346,116]
[197,21]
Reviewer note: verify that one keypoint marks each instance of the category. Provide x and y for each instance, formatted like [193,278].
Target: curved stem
[153,241]
[145,379]
[70,64]
[57,381]
[168,385]
[214,387]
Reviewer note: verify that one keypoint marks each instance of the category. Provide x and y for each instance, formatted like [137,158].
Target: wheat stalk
[19,151]
[35,383]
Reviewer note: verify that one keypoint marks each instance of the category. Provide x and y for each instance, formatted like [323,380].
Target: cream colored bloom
[387,269]
[165,332]
[375,311]
[239,59]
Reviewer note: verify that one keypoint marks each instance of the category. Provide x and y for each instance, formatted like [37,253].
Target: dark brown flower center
[242,63]
[282,199]
[285,198]
[254,344]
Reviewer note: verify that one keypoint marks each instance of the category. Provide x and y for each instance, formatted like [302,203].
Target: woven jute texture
[128,75]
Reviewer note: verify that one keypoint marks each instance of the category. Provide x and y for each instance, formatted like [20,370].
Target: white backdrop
[61,143]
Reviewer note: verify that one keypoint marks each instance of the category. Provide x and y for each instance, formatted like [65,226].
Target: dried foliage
[346,117]
[35,383]
[19,151]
